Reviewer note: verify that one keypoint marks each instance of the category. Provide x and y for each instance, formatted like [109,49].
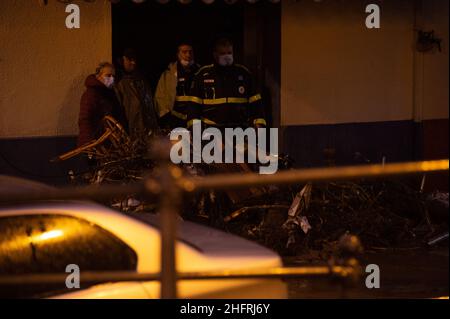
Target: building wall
[431,88]
[335,70]
[43,64]
[431,68]
[363,94]
[355,93]
[42,70]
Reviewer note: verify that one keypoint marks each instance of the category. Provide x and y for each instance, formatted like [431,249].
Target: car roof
[205,240]
[209,240]
[202,238]
[14,183]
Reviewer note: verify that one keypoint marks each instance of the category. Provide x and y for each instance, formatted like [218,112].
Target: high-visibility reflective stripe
[259,121]
[184,98]
[179,115]
[190,99]
[214,101]
[224,100]
[237,100]
[254,98]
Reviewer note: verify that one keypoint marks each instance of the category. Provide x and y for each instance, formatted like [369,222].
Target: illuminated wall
[335,70]
[43,64]
[431,69]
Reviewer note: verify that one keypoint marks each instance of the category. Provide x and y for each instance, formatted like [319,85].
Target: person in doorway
[98,101]
[173,88]
[223,94]
[135,96]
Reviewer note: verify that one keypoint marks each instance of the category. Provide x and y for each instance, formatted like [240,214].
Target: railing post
[170,205]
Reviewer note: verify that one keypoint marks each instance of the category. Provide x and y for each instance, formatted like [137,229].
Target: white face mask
[186,63]
[108,81]
[226,59]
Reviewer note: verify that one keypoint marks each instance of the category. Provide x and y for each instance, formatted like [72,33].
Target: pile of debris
[383,214]
[290,219]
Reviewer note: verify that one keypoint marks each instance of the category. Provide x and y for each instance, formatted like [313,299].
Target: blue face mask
[225,59]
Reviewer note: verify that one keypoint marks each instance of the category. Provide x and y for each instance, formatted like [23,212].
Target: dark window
[48,243]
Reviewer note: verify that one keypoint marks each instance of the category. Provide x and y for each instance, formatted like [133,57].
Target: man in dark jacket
[135,97]
[172,92]
[98,101]
[223,94]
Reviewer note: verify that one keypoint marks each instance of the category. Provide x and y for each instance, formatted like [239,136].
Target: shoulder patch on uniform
[204,68]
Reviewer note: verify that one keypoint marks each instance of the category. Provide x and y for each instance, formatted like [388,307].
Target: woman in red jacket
[98,101]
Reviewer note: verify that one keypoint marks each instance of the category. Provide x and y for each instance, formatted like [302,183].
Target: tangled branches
[380,213]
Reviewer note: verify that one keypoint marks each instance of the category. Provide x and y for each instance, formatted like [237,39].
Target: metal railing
[169,184]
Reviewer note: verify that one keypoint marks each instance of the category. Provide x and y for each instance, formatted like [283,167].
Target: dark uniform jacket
[225,97]
[184,83]
[170,96]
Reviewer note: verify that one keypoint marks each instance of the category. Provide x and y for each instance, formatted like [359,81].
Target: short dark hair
[181,43]
[130,53]
[222,42]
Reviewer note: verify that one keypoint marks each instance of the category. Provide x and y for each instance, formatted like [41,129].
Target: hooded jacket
[135,97]
[97,101]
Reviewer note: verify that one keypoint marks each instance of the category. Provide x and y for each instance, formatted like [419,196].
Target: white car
[46,237]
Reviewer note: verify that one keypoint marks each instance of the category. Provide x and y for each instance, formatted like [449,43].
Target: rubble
[290,219]
[383,214]
[295,214]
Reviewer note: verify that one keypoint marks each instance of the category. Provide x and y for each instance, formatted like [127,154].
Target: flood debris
[114,157]
[383,214]
[438,239]
[289,219]
[295,214]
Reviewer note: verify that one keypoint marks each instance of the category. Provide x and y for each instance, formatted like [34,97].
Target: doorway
[155,30]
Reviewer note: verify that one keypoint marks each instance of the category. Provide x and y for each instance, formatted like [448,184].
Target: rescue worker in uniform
[173,88]
[223,94]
